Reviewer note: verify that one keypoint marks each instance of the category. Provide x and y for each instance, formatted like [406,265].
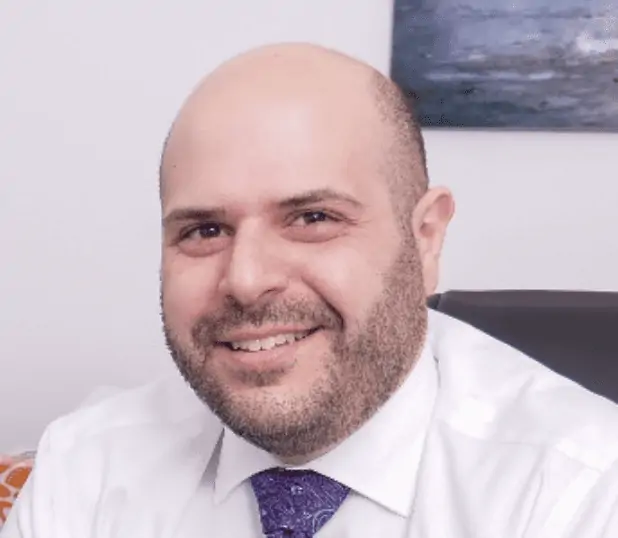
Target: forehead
[248,154]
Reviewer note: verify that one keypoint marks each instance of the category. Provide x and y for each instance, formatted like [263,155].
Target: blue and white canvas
[518,64]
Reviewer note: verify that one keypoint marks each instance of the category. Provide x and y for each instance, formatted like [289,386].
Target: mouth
[268,343]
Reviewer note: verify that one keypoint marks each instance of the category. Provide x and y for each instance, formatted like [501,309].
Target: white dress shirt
[479,442]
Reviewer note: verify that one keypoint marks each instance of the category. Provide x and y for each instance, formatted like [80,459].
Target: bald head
[284,77]
[292,205]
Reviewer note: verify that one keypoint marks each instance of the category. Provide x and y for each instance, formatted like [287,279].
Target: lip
[244,335]
[280,358]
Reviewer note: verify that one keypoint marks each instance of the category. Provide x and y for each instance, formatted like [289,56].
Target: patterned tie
[296,503]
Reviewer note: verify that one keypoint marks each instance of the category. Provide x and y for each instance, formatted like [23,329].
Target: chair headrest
[575,333]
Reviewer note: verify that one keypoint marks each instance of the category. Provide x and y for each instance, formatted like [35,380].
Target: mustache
[233,315]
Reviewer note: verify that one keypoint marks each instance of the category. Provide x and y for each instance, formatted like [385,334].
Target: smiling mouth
[271,342]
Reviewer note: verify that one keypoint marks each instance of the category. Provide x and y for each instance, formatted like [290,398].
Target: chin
[280,418]
[281,425]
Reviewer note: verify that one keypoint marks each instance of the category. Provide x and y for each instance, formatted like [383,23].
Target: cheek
[349,279]
[187,286]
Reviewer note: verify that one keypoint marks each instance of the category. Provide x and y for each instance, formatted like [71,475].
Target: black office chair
[575,333]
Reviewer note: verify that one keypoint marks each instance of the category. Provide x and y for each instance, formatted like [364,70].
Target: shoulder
[163,403]
[492,391]
[115,451]
[164,407]
[134,433]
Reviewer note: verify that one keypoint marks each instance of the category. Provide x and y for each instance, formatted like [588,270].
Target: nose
[254,271]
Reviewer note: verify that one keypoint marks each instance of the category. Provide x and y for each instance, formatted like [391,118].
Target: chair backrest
[575,333]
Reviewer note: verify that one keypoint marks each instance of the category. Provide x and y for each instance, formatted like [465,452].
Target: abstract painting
[515,64]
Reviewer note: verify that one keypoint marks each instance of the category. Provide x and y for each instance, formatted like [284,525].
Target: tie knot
[296,503]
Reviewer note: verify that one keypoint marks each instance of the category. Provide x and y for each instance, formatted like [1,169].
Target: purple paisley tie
[296,503]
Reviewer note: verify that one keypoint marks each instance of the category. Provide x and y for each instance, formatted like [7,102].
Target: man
[300,241]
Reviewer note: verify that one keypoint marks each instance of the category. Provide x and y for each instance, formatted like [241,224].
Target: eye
[313,217]
[208,230]
[203,239]
[315,226]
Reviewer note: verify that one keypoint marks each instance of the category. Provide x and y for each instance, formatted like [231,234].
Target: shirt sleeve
[597,515]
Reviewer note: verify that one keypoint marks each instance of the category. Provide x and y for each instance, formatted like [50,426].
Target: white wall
[87,91]
[535,210]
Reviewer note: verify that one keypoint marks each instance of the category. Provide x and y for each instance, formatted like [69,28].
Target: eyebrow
[317,196]
[294,202]
[193,214]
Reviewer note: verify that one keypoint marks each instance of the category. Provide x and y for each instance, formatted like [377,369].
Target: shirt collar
[378,461]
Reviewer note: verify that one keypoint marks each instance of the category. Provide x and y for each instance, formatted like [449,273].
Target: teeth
[268,343]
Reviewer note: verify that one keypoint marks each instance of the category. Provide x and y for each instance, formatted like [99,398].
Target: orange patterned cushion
[14,472]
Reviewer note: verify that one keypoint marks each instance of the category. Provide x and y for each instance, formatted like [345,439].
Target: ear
[430,220]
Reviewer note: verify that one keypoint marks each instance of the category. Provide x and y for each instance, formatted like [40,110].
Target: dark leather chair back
[575,333]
